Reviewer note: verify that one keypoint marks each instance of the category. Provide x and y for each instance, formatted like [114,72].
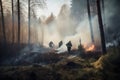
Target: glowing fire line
[91,48]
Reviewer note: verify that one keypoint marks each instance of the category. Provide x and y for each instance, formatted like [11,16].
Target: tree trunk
[90,21]
[12,22]
[3,23]
[18,22]
[42,30]
[29,22]
[101,27]
[103,11]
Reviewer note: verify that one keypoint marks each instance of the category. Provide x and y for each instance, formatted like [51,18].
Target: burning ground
[71,67]
[43,55]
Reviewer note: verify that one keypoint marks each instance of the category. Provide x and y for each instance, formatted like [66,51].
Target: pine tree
[3,23]
[12,3]
[101,27]
[29,22]
[18,6]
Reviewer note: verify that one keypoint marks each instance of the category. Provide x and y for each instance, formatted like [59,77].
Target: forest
[59,39]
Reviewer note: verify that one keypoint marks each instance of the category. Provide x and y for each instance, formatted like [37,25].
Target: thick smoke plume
[62,26]
[112,19]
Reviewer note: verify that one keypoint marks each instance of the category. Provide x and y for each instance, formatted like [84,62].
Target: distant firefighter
[60,44]
[69,45]
[51,44]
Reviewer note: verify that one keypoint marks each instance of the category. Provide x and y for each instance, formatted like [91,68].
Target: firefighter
[51,44]
[60,44]
[69,45]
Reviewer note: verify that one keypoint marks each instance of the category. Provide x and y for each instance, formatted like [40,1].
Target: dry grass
[69,68]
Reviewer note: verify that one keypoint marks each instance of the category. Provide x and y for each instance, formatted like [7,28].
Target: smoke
[58,25]
[63,27]
[112,18]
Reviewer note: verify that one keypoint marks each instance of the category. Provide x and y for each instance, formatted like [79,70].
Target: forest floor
[71,67]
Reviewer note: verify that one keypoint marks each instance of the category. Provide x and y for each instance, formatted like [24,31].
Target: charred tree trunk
[18,4]
[12,22]
[103,10]
[101,27]
[29,22]
[90,21]
[3,23]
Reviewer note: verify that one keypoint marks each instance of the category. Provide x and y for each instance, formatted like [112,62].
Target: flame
[91,48]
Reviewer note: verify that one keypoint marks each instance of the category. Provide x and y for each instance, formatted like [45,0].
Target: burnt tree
[101,27]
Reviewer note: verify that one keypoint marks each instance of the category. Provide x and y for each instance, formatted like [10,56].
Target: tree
[29,22]
[90,21]
[101,27]
[31,6]
[3,24]
[18,6]
[12,21]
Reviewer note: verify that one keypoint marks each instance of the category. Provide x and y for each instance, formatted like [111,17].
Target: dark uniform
[60,44]
[51,44]
[69,45]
